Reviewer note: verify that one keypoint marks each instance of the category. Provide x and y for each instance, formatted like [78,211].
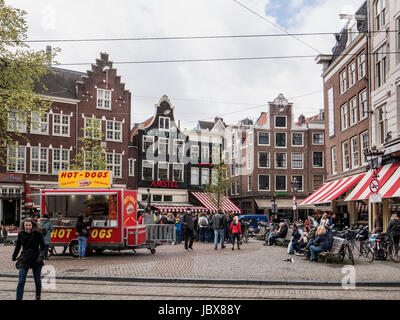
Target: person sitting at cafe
[280,233]
[295,241]
[321,243]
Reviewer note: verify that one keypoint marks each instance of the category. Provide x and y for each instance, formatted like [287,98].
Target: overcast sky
[198,90]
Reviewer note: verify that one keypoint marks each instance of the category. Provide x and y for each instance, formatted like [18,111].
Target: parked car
[254,219]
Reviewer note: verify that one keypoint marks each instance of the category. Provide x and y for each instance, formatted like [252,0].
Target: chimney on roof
[302,119]
[49,55]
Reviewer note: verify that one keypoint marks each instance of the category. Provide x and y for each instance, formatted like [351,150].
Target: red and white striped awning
[180,208]
[391,189]
[209,200]
[362,191]
[331,190]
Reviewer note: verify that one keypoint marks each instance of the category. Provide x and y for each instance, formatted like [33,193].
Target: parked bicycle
[346,247]
[381,247]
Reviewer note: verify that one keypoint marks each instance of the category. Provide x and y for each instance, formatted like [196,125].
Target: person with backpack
[178,228]
[236,231]
[219,229]
[46,230]
[203,223]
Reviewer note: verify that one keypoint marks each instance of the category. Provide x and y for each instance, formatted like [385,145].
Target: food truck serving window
[65,209]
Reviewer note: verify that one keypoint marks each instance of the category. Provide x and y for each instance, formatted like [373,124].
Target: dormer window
[379,14]
[163,123]
[104,99]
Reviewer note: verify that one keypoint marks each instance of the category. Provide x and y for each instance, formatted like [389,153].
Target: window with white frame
[381,124]
[113,130]
[194,176]
[104,99]
[215,155]
[343,81]
[214,178]
[297,160]
[163,145]
[61,126]
[114,164]
[318,138]
[163,170]
[362,65]
[163,123]
[250,137]
[131,163]
[354,152]
[16,122]
[179,146]
[280,183]
[147,170]
[344,117]
[263,159]
[379,10]
[353,111]
[352,74]
[380,66]
[280,160]
[318,159]
[280,140]
[334,160]
[177,172]
[248,160]
[40,123]
[205,176]
[148,144]
[16,159]
[280,121]
[93,128]
[364,146]
[300,184]
[345,156]
[60,160]
[237,187]
[39,160]
[362,97]
[205,154]
[263,182]
[249,183]
[297,139]
[263,138]
[194,152]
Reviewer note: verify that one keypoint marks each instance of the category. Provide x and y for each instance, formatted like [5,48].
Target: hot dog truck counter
[111,212]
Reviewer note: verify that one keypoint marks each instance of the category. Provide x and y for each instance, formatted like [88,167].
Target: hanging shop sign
[84,179]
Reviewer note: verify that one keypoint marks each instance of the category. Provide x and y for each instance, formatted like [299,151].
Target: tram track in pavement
[73,290]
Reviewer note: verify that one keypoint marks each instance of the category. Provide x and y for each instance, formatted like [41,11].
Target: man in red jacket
[236,231]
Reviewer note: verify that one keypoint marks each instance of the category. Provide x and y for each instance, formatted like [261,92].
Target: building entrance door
[9,213]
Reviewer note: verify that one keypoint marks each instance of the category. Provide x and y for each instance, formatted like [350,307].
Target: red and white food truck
[112,212]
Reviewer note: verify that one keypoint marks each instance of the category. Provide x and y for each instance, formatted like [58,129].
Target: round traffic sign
[374,185]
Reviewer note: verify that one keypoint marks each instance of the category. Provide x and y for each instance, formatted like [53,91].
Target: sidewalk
[253,262]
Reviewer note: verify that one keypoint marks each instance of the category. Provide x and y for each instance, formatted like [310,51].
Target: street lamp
[374,158]
[295,187]
[148,208]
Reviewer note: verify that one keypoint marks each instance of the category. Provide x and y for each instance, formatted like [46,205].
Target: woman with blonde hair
[321,243]
[236,231]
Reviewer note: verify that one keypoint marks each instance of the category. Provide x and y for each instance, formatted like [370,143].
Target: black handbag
[18,263]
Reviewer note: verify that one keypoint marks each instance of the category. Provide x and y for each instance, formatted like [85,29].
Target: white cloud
[246,82]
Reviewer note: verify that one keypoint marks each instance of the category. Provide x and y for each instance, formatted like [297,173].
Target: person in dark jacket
[321,243]
[188,229]
[218,223]
[46,230]
[295,241]
[32,255]
[280,233]
[83,230]
[394,228]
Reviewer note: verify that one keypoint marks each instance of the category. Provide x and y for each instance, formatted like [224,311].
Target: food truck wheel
[74,248]
[153,251]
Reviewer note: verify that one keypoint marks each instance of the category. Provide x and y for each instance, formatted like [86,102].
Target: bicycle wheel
[368,254]
[393,252]
[350,254]
[342,254]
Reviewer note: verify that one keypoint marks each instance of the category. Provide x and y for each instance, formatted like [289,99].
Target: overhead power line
[275,25]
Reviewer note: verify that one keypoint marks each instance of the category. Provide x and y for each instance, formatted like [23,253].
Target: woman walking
[33,251]
[236,231]
[82,229]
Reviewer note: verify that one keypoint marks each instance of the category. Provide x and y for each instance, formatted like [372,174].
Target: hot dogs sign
[84,179]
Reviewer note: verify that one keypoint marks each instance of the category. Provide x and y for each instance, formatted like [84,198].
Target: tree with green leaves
[91,154]
[20,70]
[219,185]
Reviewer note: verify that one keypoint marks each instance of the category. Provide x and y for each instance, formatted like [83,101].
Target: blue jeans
[203,234]
[37,269]
[178,237]
[82,246]
[272,237]
[314,252]
[219,233]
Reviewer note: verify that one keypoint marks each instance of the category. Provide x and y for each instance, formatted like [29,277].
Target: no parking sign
[374,185]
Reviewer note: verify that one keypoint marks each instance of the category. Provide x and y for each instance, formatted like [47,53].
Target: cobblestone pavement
[254,261]
[107,290]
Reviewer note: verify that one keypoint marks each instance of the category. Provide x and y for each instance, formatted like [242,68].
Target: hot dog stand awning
[388,176]
[179,208]
[209,200]
[331,190]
